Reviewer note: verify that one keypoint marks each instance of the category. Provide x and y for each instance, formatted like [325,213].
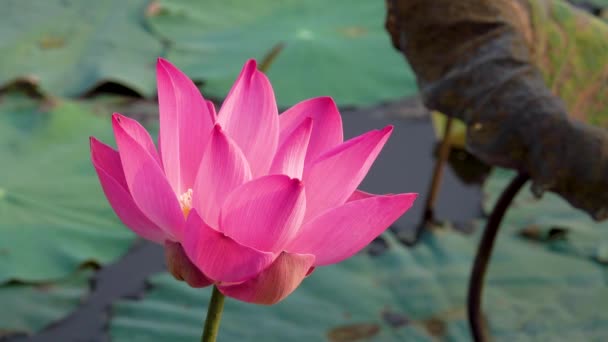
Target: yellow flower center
[185,201]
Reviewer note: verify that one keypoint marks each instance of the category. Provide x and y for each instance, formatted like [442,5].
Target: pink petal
[218,256]
[249,115]
[185,123]
[341,232]
[106,159]
[211,109]
[138,133]
[182,268]
[335,175]
[358,194]
[222,169]
[109,170]
[265,213]
[275,283]
[289,159]
[145,179]
[327,131]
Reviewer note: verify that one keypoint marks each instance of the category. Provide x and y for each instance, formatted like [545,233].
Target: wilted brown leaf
[498,66]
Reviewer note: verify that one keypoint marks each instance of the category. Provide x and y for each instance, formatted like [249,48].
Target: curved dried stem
[444,153]
[478,329]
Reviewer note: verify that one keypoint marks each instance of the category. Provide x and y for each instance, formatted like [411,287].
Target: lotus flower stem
[478,329]
[214,316]
[444,153]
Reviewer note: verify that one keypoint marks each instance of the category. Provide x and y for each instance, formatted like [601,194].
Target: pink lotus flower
[246,199]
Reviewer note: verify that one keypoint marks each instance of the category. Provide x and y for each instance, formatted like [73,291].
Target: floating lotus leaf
[53,215]
[331,48]
[415,294]
[549,221]
[26,309]
[66,48]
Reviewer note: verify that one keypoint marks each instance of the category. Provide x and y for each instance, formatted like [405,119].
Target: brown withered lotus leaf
[499,65]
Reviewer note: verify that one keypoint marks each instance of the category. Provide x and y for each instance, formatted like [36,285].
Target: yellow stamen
[185,201]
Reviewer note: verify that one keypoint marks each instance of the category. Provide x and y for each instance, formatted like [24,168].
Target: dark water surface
[405,165]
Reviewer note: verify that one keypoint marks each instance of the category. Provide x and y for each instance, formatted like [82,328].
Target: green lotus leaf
[68,47]
[334,48]
[549,220]
[53,214]
[415,294]
[28,308]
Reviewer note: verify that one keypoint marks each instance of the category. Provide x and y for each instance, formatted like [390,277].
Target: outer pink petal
[218,256]
[109,170]
[107,159]
[335,175]
[223,168]
[358,194]
[341,232]
[185,123]
[289,159]
[138,133]
[275,283]
[211,109]
[182,268]
[146,181]
[265,213]
[327,132]
[249,115]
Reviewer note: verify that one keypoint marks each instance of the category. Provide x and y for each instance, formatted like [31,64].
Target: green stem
[214,316]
